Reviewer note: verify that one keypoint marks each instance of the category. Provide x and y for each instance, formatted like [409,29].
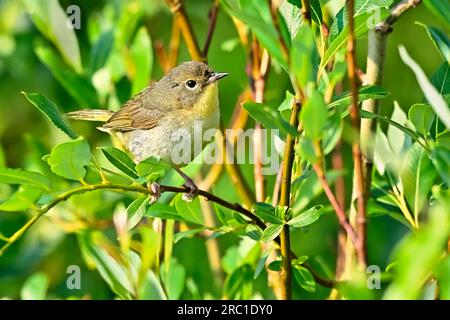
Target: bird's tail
[91,115]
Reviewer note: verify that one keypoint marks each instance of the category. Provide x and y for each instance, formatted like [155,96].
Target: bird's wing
[134,115]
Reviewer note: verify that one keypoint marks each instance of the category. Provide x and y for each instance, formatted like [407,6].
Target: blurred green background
[25,133]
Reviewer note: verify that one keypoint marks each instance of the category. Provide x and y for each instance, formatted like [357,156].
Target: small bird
[145,124]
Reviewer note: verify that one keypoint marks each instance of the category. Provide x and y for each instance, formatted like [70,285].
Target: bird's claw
[193,191]
[155,190]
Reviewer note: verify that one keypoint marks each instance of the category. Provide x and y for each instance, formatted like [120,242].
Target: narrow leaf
[120,160]
[436,101]
[50,110]
[19,176]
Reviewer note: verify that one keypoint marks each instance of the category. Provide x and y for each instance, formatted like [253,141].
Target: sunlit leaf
[307,217]
[269,117]
[142,59]
[304,278]
[120,160]
[436,101]
[421,116]
[440,41]
[266,212]
[314,115]
[417,176]
[19,176]
[24,198]
[271,232]
[69,159]
[50,110]
[189,211]
[35,287]
[418,254]
[51,20]
[304,58]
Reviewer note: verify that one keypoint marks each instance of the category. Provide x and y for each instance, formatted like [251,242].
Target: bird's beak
[216,76]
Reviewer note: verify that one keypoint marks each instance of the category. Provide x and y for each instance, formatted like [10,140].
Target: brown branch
[274,13]
[359,190]
[177,7]
[342,218]
[385,26]
[174,46]
[212,25]
[257,79]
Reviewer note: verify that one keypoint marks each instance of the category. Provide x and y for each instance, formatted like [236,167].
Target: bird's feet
[192,187]
[155,190]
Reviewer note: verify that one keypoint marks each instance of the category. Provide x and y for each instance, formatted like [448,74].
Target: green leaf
[174,280]
[24,198]
[151,288]
[370,115]
[271,232]
[417,178]
[142,59]
[114,274]
[421,116]
[307,217]
[316,12]
[343,100]
[440,41]
[361,27]
[68,159]
[367,7]
[440,8]
[256,15]
[304,278]
[164,211]
[275,265]
[51,20]
[441,161]
[190,211]
[436,101]
[35,287]
[120,160]
[50,110]
[186,234]
[266,212]
[19,176]
[443,278]
[152,168]
[398,139]
[79,87]
[441,78]
[269,117]
[304,57]
[101,50]
[418,254]
[314,115]
[305,149]
[136,211]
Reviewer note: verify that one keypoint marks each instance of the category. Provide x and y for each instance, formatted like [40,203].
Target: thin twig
[342,218]
[212,25]
[133,188]
[359,190]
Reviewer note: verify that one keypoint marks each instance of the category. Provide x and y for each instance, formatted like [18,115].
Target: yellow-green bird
[186,95]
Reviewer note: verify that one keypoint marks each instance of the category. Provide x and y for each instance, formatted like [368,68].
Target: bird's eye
[191,84]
